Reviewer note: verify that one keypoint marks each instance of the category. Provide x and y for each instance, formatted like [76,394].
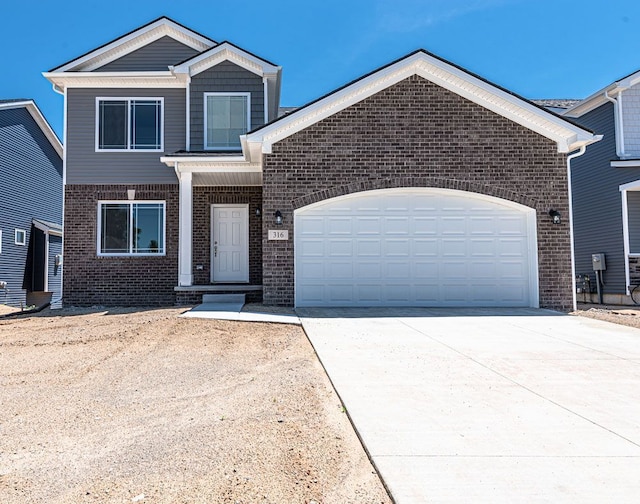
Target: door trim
[245,277]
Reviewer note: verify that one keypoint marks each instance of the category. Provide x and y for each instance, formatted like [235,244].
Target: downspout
[63,92]
[619,124]
[573,259]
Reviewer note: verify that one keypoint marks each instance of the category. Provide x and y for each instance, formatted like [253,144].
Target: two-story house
[30,206]
[606,192]
[419,184]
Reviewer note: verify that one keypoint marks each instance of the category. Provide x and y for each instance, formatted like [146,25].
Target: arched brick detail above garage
[426,182]
[417,134]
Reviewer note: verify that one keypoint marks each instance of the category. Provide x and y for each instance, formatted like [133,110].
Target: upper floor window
[129,124]
[226,117]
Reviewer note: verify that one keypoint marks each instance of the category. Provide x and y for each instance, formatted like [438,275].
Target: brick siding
[417,134]
[116,281]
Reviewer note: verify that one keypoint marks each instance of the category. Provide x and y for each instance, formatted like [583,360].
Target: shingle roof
[16,100]
[556,102]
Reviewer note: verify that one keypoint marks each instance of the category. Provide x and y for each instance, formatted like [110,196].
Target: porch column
[185,274]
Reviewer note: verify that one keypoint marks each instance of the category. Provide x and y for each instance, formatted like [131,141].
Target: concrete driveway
[488,405]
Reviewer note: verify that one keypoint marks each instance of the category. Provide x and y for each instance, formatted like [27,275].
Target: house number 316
[278,234]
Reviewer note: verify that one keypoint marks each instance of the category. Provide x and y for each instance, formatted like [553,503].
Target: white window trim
[131,203]
[128,99]
[204,104]
[24,235]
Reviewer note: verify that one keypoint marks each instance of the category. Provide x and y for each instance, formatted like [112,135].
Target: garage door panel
[338,226]
[395,270]
[368,248]
[339,270]
[513,225]
[340,248]
[426,247]
[426,270]
[425,226]
[367,225]
[312,225]
[515,247]
[453,247]
[482,247]
[453,226]
[394,226]
[415,247]
[366,270]
[312,247]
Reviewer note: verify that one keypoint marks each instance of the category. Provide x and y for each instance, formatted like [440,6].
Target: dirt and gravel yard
[623,315]
[143,406]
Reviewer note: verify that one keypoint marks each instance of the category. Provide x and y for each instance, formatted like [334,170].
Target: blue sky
[537,48]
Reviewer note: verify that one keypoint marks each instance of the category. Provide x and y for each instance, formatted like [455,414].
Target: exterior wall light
[278,216]
[555,215]
[258,212]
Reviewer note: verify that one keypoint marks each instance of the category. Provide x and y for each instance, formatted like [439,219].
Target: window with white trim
[131,228]
[226,117]
[124,124]
[20,237]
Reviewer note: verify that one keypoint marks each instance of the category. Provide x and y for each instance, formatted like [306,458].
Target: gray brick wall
[417,134]
[116,281]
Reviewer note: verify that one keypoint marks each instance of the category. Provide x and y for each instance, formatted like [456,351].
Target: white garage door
[415,247]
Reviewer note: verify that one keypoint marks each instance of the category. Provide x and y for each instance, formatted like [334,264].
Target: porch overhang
[216,170]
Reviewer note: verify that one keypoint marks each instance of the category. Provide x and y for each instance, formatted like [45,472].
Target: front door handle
[215,249]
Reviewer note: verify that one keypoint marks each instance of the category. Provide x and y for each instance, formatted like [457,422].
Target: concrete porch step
[223,298]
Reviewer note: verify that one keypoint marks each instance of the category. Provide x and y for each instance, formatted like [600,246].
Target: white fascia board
[46,229]
[40,120]
[203,166]
[598,98]
[566,135]
[224,52]
[116,79]
[202,159]
[135,40]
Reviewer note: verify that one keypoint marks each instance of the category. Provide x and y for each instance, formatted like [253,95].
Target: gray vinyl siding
[597,202]
[86,166]
[224,77]
[156,56]
[31,175]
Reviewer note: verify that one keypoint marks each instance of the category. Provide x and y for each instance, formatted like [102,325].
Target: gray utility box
[598,262]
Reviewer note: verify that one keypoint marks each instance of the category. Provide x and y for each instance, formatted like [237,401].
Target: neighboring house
[30,206]
[419,184]
[606,190]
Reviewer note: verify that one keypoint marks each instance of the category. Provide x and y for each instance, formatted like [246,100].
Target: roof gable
[40,120]
[567,135]
[126,44]
[226,51]
[603,95]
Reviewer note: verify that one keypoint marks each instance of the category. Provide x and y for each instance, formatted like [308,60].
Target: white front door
[230,243]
